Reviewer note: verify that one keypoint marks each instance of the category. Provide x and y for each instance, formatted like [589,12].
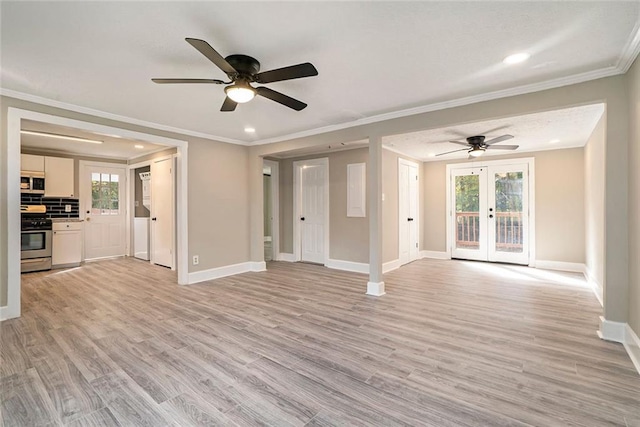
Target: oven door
[35,244]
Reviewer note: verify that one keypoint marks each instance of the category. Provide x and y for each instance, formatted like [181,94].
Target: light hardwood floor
[451,344]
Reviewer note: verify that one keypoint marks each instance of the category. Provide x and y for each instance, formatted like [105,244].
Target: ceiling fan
[242,70]
[476,145]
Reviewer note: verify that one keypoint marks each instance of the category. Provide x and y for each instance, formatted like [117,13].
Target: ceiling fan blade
[460,143]
[205,48]
[287,73]
[164,81]
[228,104]
[454,151]
[498,139]
[281,98]
[502,147]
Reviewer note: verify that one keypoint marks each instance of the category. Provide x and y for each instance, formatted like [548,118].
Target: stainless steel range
[35,237]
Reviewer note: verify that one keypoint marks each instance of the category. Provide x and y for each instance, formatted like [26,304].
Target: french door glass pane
[468,211]
[509,194]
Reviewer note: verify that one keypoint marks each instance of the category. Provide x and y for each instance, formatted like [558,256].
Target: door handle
[490,216]
[409,219]
[154,219]
[301,218]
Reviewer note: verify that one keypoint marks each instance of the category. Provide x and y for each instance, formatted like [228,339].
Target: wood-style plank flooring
[451,344]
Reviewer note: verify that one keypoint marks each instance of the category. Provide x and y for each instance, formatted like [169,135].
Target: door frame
[12,176]
[297,198]
[406,162]
[82,195]
[275,207]
[530,161]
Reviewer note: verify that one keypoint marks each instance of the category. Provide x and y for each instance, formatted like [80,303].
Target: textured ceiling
[373,57]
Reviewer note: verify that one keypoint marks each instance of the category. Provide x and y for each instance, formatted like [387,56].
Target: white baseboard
[267,238]
[283,256]
[142,255]
[391,265]
[224,271]
[356,267]
[574,267]
[632,345]
[6,314]
[375,289]
[595,286]
[434,255]
[612,331]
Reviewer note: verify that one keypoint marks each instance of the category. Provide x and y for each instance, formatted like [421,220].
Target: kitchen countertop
[67,220]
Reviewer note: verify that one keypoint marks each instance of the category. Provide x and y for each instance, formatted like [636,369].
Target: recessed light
[431,154]
[139,146]
[56,136]
[554,141]
[516,58]
[249,130]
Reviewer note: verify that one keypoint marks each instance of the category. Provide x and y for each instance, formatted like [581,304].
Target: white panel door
[162,212]
[312,213]
[102,197]
[408,213]
[469,212]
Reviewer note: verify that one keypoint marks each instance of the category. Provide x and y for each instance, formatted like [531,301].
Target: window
[105,194]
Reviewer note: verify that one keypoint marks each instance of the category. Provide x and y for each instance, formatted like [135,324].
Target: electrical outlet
[67,208]
[196,260]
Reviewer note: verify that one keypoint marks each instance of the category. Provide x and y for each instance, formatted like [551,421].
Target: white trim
[286,257]
[390,266]
[12,179]
[297,191]
[275,206]
[375,289]
[611,331]
[595,285]
[630,51]
[356,267]
[435,254]
[574,267]
[103,114]
[632,345]
[225,271]
[530,161]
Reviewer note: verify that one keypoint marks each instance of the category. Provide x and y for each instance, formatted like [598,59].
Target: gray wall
[349,237]
[559,203]
[594,153]
[634,198]
[140,211]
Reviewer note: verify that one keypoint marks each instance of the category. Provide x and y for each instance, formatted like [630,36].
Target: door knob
[301,218]
[490,216]
[409,219]
[154,219]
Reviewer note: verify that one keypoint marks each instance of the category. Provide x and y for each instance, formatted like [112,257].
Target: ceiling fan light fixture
[476,152]
[240,92]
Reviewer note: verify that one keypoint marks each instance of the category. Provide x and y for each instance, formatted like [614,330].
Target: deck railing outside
[508,230]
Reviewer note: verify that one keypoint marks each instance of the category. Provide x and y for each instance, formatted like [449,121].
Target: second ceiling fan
[476,145]
[242,70]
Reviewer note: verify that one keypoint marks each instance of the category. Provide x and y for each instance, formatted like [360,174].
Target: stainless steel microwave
[32,182]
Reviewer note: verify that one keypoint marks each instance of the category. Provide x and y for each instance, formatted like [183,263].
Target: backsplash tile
[55,205]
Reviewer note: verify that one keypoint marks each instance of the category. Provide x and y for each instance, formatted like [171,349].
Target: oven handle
[31,260]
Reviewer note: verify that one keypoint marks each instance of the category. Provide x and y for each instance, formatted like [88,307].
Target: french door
[490,213]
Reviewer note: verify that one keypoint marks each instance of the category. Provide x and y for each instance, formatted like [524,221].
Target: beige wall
[634,197]
[218,195]
[594,152]
[348,236]
[559,202]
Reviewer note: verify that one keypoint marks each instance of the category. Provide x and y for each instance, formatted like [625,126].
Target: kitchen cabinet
[31,163]
[66,245]
[59,177]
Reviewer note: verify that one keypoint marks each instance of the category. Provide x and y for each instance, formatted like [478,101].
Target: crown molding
[110,116]
[630,51]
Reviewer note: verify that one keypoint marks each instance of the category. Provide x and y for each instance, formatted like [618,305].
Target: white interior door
[162,207]
[408,211]
[469,209]
[312,211]
[490,207]
[508,200]
[102,196]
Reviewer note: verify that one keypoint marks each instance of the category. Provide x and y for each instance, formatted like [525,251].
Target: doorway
[162,208]
[408,215]
[311,210]
[271,200]
[491,211]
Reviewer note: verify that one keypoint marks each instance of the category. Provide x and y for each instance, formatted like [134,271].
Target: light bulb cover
[240,92]
[476,152]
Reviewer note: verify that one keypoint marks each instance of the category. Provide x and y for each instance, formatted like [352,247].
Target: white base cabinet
[66,244]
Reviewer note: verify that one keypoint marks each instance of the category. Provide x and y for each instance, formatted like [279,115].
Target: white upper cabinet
[59,177]
[29,162]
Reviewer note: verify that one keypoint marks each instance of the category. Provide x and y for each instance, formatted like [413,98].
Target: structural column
[374,189]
